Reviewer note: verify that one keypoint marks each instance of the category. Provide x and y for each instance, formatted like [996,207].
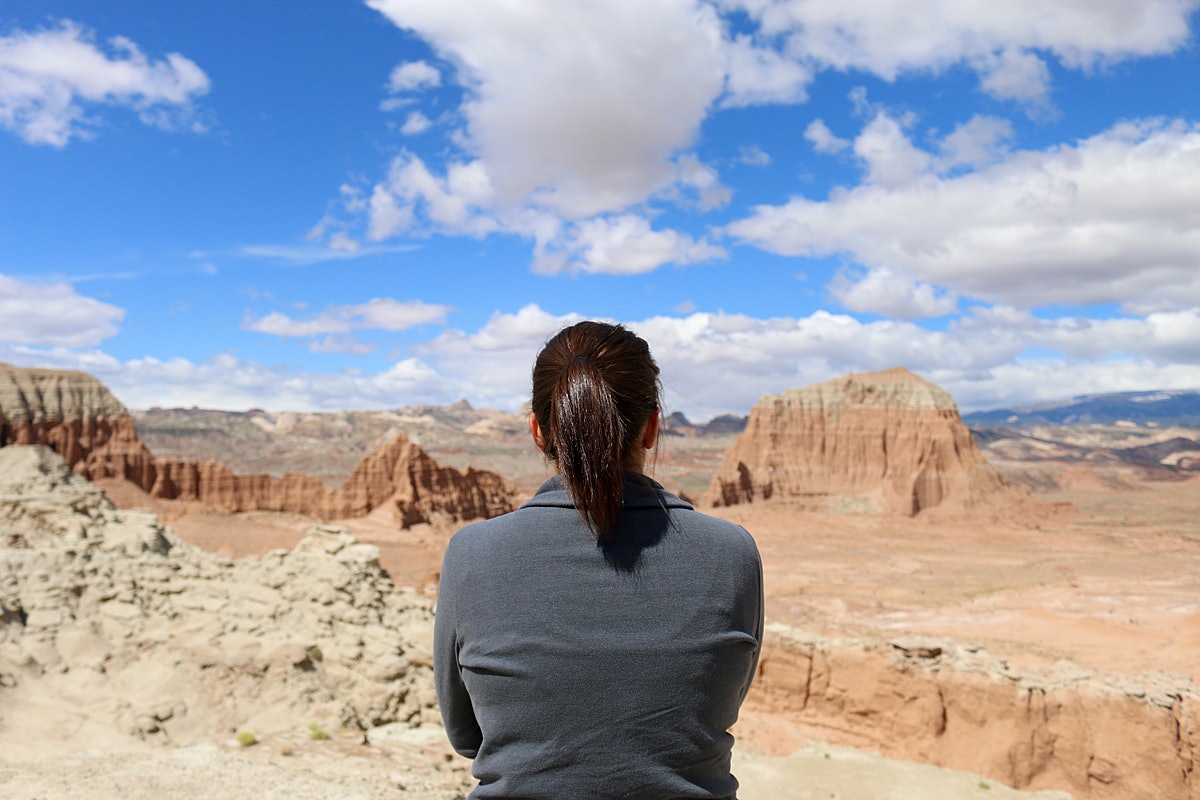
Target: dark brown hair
[595,386]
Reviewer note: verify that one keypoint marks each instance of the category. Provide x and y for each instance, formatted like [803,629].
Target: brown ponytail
[595,386]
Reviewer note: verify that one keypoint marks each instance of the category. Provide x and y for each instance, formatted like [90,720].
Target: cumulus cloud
[415,123]
[883,292]
[1107,220]
[1001,41]
[621,245]
[384,314]
[890,158]
[51,79]
[573,113]
[412,76]
[823,140]
[991,357]
[982,359]
[759,75]
[578,129]
[44,314]
[227,382]
[975,143]
[455,203]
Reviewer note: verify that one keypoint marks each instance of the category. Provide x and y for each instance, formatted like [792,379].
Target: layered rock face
[880,442]
[76,415]
[1101,736]
[161,641]
[80,419]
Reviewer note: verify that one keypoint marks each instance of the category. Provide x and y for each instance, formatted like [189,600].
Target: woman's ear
[535,431]
[650,434]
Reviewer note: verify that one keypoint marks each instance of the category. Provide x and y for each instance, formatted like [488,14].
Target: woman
[598,641]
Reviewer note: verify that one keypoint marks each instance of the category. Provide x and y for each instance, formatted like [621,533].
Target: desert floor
[1113,585]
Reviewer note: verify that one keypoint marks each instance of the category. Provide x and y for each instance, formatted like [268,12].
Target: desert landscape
[241,603]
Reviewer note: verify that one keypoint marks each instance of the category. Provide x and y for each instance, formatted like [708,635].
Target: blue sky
[366,205]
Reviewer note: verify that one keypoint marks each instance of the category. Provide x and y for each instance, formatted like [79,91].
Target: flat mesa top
[893,388]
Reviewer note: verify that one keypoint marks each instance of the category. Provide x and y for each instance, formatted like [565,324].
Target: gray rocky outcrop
[143,635]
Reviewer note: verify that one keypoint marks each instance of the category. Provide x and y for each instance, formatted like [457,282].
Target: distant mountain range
[1179,407]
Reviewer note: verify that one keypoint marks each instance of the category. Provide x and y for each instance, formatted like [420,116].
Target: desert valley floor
[1046,640]
[1107,582]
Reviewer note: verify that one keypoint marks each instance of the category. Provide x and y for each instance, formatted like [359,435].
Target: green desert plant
[246,738]
[316,732]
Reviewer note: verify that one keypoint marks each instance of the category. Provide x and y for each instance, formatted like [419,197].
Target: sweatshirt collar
[639,492]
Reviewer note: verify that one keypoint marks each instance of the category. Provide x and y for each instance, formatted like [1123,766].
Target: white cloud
[891,159]
[1014,74]
[1109,220]
[47,314]
[702,179]
[580,129]
[339,247]
[760,75]
[415,123]
[881,291]
[574,112]
[623,245]
[754,156]
[49,79]
[454,204]
[383,314]
[996,39]
[412,76]
[823,139]
[227,382]
[975,143]
[985,360]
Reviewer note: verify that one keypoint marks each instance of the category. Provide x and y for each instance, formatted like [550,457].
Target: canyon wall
[1099,736]
[79,418]
[879,442]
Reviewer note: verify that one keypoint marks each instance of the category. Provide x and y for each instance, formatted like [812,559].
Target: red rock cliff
[880,442]
[79,418]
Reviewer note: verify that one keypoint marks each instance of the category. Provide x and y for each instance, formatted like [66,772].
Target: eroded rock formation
[110,625]
[879,442]
[1098,736]
[79,418]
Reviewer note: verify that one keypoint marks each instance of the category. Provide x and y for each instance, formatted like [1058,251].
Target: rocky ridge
[79,418]
[150,639]
[880,442]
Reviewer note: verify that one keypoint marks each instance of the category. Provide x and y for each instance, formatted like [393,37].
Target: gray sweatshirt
[567,669]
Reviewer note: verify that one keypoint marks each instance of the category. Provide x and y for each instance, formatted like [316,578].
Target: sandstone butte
[877,442]
[82,421]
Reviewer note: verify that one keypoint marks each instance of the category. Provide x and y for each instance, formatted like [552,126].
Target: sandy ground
[1115,586]
[814,772]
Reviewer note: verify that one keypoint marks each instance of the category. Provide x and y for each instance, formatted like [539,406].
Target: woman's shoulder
[697,523]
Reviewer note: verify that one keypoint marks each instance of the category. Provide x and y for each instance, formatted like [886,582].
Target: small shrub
[316,732]
[246,738]
[984,785]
